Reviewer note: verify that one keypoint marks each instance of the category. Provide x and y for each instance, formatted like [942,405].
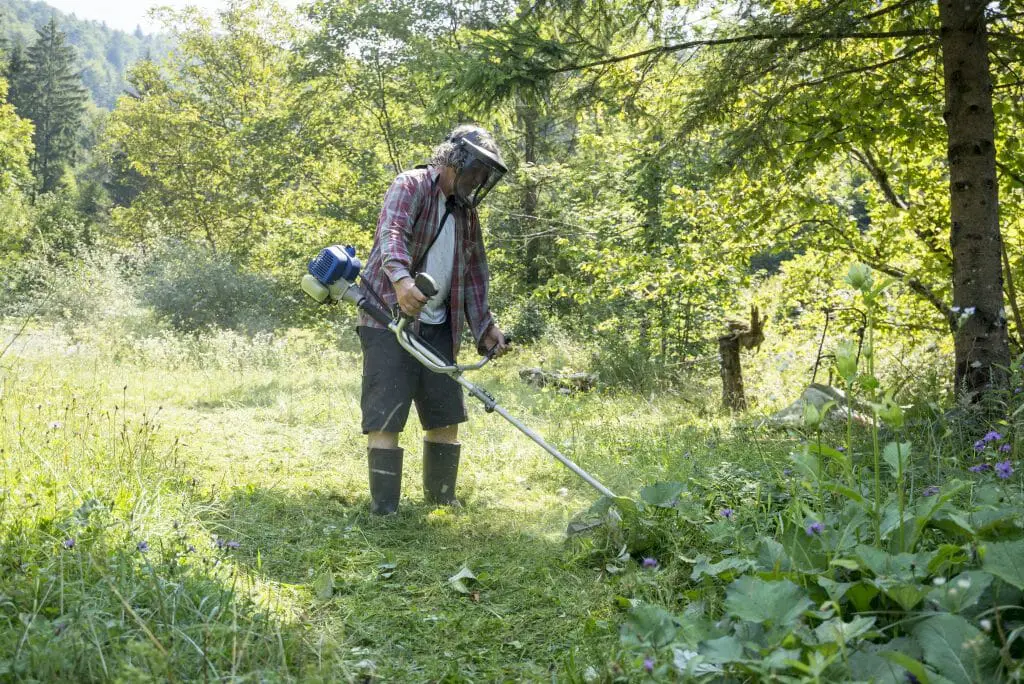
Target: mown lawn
[177,508]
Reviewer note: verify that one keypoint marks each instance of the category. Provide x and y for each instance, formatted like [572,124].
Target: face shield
[481,172]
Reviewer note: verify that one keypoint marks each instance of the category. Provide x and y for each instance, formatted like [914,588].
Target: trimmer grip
[426,284]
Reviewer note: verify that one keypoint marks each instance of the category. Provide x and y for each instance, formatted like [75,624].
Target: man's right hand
[410,299]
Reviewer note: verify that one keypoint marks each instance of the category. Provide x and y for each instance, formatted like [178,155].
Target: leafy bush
[194,289]
[864,562]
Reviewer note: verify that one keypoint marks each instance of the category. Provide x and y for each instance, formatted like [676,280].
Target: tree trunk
[528,224]
[982,350]
[733,398]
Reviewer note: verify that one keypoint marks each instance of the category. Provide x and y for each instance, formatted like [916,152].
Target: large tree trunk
[982,350]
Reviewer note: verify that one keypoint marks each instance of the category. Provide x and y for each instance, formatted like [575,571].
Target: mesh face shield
[480,173]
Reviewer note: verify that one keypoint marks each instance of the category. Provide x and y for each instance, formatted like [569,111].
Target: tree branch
[755,37]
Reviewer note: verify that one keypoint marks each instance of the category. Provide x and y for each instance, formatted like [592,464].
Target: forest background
[672,165]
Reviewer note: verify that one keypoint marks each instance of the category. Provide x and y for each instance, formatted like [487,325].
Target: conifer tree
[52,96]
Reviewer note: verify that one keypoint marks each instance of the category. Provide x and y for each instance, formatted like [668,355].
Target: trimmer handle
[426,284]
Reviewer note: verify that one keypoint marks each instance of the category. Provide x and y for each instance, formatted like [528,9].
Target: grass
[215,492]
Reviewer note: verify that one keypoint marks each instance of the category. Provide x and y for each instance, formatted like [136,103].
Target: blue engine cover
[334,263]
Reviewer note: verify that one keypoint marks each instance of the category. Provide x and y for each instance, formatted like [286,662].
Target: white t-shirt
[439,264]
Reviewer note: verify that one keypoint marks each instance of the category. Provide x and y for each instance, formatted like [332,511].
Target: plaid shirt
[408,221]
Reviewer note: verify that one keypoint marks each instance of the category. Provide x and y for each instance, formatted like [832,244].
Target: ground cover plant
[862,559]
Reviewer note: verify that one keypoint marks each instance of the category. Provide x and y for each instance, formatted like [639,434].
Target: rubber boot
[440,470]
[385,480]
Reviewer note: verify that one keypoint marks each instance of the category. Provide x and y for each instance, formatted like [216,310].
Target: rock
[818,395]
[564,382]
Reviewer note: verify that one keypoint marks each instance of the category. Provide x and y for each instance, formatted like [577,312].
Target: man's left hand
[494,340]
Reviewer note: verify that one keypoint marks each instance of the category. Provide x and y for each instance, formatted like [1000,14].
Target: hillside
[104,53]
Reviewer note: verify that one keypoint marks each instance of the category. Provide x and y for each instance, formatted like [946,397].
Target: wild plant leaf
[649,625]
[779,603]
[726,649]
[906,594]
[829,452]
[772,556]
[897,455]
[1005,560]
[664,494]
[956,649]
[861,594]
[459,581]
[835,630]
[909,664]
[961,592]
[780,658]
[848,492]
[947,558]
[734,563]
[993,523]
[835,590]
[691,663]
[323,586]
[872,667]
[807,465]
[802,551]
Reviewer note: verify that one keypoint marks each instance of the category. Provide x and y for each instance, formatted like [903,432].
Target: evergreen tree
[53,98]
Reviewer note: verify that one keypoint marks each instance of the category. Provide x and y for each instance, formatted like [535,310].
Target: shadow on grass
[381,587]
[270,393]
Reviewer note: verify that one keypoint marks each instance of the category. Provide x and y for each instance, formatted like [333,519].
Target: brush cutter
[332,276]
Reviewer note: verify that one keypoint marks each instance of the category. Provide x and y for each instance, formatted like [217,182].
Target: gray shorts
[393,380]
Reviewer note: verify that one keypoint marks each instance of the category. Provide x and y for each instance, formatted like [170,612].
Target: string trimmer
[332,275]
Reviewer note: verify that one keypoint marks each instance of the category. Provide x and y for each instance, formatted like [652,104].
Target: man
[428,224]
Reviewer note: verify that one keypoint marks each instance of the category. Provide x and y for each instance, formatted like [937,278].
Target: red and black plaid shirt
[408,221]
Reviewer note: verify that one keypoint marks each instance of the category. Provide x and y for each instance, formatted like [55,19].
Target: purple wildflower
[190,549]
[991,436]
[142,546]
[233,544]
[841,449]
[1006,448]
[930,491]
[815,528]
[650,563]
[980,468]
[1004,469]
[787,472]
[727,513]
[979,445]
[911,679]
[649,664]
[69,543]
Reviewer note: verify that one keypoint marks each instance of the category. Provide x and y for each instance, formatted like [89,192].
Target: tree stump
[741,335]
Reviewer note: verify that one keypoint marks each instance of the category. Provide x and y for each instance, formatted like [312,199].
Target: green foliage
[104,54]
[49,92]
[193,289]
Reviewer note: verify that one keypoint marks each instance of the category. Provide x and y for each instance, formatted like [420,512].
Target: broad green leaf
[649,625]
[779,603]
[661,494]
[1005,560]
[897,456]
[909,664]
[323,586]
[956,649]
[835,630]
[961,592]
[459,580]
[734,563]
[725,649]
[906,594]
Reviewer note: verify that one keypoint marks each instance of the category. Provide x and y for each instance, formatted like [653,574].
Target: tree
[792,88]
[52,97]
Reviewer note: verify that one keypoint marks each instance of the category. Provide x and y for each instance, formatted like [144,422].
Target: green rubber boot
[440,470]
[385,480]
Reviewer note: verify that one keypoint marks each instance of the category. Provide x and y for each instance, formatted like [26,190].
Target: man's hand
[410,299]
[494,339]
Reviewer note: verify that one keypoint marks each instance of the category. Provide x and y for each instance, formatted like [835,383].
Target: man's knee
[382,440]
[449,434]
